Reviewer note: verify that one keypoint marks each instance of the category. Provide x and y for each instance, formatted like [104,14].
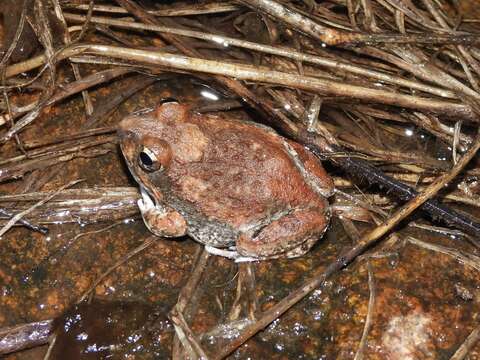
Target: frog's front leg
[291,235]
[159,219]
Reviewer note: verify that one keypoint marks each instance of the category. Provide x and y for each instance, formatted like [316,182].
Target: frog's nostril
[126,126]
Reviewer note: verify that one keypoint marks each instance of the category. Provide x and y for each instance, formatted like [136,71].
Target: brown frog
[235,186]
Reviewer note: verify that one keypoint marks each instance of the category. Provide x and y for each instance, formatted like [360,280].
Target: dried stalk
[26,223]
[469,260]
[33,144]
[24,336]
[21,214]
[263,75]
[171,10]
[151,240]
[58,149]
[187,337]
[468,345]
[359,355]
[259,74]
[277,50]
[66,90]
[68,41]
[16,171]
[74,205]
[335,37]
[69,195]
[187,291]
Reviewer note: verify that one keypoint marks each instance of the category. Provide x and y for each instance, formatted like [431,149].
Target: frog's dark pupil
[146,160]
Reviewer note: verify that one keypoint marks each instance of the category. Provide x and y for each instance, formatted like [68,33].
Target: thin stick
[259,74]
[26,223]
[19,337]
[181,338]
[64,91]
[54,150]
[18,170]
[189,288]
[277,50]
[467,345]
[470,260]
[76,196]
[262,74]
[51,344]
[186,294]
[171,10]
[344,259]
[36,143]
[186,334]
[368,321]
[147,243]
[68,41]
[21,214]
[331,36]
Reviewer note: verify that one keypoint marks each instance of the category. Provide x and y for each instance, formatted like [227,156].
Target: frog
[233,185]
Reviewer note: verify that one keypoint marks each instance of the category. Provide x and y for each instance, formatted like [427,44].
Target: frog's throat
[148,200]
[200,227]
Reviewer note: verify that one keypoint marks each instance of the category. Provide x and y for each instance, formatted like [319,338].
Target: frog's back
[246,173]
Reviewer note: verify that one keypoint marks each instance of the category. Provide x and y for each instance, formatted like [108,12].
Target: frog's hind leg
[291,235]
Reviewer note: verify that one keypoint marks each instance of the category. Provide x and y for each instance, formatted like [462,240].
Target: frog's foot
[291,235]
[159,219]
[229,254]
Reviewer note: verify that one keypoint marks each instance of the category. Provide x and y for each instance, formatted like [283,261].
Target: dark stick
[362,169]
[41,229]
[434,208]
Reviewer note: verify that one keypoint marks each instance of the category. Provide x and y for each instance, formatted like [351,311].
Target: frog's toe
[221,252]
[241,258]
[229,254]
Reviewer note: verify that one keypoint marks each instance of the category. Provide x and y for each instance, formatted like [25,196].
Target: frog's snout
[124,128]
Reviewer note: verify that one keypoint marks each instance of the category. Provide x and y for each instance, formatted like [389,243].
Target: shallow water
[425,304]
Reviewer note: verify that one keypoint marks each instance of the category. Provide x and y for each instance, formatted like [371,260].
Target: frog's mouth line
[148,199]
[144,191]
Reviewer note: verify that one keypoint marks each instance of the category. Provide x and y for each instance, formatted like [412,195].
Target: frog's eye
[148,160]
[168,100]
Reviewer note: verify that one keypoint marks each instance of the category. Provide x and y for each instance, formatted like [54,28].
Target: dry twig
[21,214]
[24,336]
